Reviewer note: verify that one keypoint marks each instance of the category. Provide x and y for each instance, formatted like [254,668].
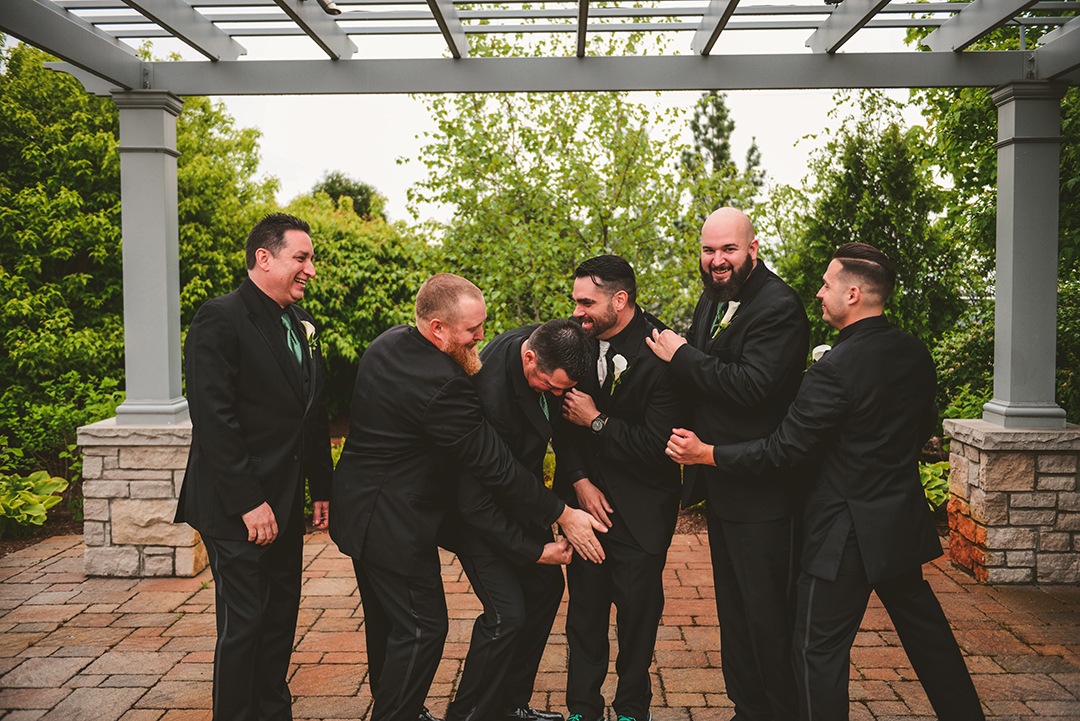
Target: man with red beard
[741,363]
[415,418]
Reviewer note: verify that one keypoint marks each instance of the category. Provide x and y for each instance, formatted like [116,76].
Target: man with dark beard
[416,416]
[746,351]
[611,461]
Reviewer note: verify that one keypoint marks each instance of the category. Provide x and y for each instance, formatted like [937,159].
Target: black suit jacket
[865,410]
[628,459]
[258,418]
[416,419]
[740,385]
[484,527]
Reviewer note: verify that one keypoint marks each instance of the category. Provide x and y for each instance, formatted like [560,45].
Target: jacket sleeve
[775,340]
[455,422]
[320,466]
[213,368]
[812,419]
[479,510]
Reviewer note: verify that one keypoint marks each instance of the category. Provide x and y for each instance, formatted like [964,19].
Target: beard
[725,290]
[603,322]
[465,356]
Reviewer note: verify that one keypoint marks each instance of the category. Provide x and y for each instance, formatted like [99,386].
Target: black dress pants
[257,598]
[828,618]
[753,574]
[405,625]
[508,638]
[632,579]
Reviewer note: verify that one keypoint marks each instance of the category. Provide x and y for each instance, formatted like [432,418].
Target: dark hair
[440,297]
[610,273]
[561,343]
[869,265]
[270,234]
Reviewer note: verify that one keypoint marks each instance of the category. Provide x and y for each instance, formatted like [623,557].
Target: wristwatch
[597,424]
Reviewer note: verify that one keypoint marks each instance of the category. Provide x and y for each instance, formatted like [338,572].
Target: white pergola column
[151,258]
[1025,327]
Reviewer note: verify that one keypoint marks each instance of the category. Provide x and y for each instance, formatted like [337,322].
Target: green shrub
[24,501]
[935,481]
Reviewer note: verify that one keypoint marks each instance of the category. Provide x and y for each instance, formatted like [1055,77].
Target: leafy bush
[24,501]
[935,482]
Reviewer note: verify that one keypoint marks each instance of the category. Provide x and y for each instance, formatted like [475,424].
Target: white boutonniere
[619,363]
[819,352]
[732,306]
[311,334]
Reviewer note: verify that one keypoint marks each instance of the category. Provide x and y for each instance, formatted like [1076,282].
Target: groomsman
[258,428]
[863,414]
[746,352]
[415,412]
[511,561]
[611,462]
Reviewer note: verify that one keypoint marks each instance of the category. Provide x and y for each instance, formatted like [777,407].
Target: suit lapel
[307,354]
[270,328]
[527,399]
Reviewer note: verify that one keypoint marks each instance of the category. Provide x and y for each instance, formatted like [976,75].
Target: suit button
[296,458]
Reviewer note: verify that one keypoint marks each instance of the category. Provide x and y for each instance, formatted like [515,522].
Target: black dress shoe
[425,715]
[528,713]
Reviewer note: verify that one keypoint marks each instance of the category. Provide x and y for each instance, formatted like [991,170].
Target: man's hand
[686,448]
[665,344]
[557,553]
[592,499]
[261,524]
[578,527]
[321,515]
[578,407]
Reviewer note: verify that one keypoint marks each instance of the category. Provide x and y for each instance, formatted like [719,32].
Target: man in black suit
[258,427]
[415,418]
[610,461]
[508,557]
[863,414]
[746,353]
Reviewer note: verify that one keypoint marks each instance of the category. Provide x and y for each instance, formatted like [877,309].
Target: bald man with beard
[415,417]
[741,365]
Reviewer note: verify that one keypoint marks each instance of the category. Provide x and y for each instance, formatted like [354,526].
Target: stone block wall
[1014,511]
[131,482]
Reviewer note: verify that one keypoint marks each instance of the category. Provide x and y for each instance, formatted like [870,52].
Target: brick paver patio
[73,647]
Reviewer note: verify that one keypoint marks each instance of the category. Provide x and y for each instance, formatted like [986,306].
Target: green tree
[539,182]
[962,125]
[709,158]
[366,201]
[366,280]
[61,283]
[871,183]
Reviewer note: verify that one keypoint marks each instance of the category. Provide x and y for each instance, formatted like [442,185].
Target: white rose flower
[820,351]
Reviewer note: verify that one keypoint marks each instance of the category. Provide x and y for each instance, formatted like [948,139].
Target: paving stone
[43,672]
[94,704]
[1020,686]
[179,695]
[121,662]
[186,671]
[12,644]
[154,602]
[188,715]
[31,698]
[85,636]
[336,707]
[142,715]
[329,680]
[25,715]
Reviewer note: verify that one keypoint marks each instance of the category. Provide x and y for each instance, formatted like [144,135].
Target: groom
[610,462]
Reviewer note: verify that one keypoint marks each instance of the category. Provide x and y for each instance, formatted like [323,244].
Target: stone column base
[1014,514]
[131,481]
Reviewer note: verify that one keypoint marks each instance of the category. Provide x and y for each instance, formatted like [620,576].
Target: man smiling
[415,416]
[746,351]
[258,428]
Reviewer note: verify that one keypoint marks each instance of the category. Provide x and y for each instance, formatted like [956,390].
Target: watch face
[598,424]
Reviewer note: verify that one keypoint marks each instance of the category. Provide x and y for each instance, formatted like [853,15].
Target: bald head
[730,223]
[728,253]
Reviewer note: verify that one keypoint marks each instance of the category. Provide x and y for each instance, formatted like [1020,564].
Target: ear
[438,331]
[262,258]
[753,250]
[620,299]
[528,359]
[854,295]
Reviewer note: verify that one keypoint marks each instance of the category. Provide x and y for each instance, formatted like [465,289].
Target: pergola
[1028,86]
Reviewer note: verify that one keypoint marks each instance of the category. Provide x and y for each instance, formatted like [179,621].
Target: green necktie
[543,406]
[290,337]
[720,310]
